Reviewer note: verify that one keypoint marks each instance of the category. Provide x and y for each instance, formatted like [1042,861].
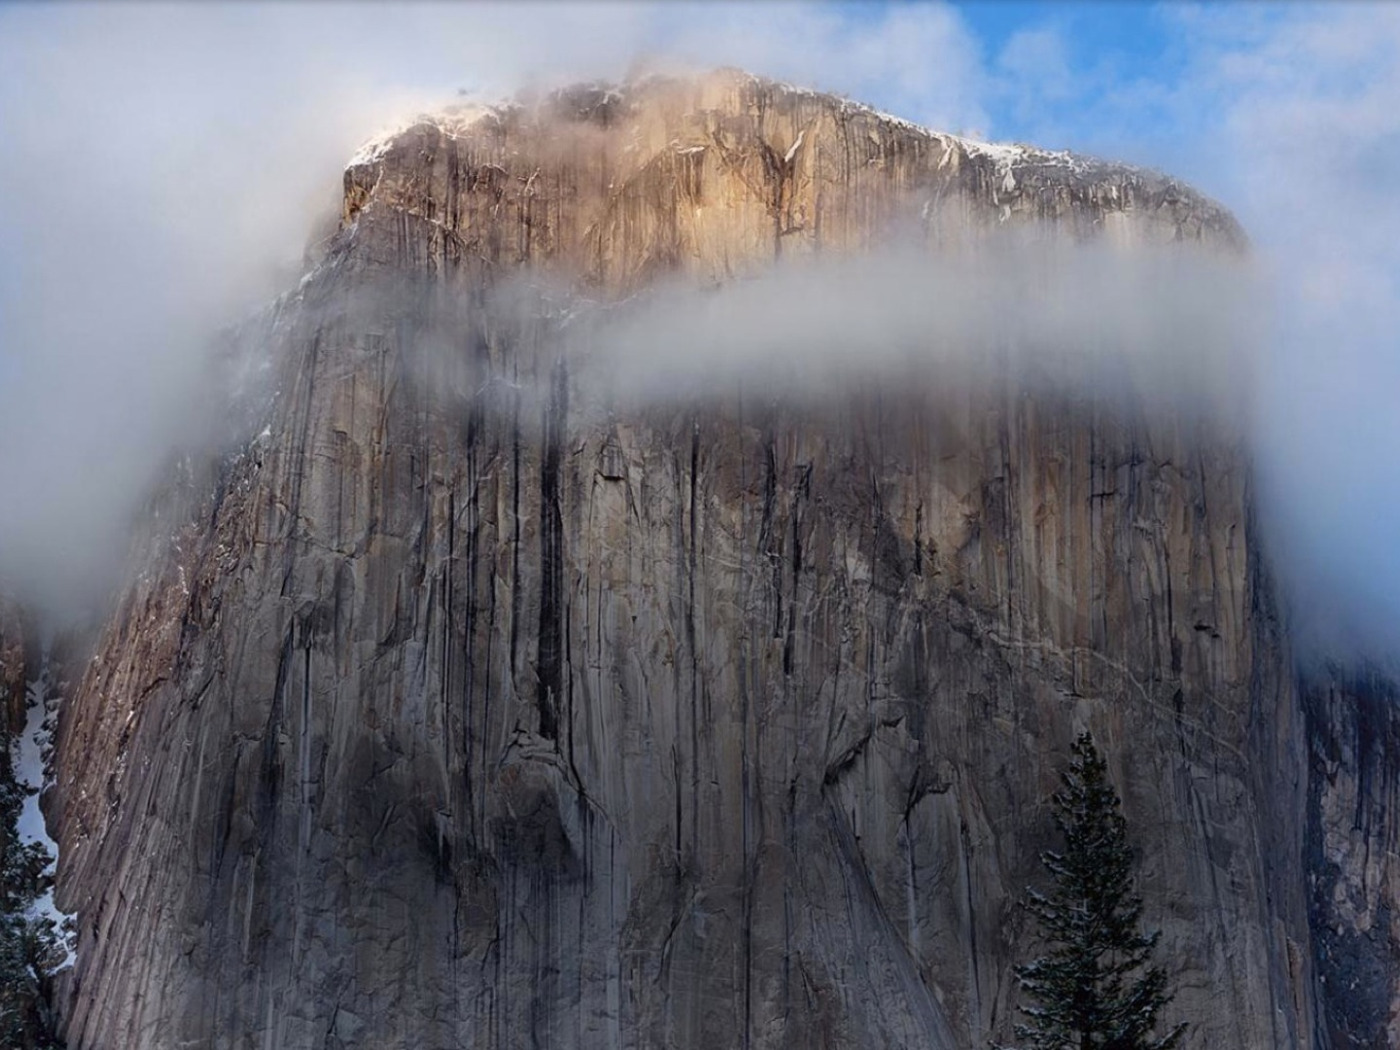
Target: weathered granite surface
[467,707]
[1352,866]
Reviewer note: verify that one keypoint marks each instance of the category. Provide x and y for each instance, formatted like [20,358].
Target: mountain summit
[469,702]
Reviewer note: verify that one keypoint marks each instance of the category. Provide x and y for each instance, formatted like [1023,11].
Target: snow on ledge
[457,118]
[1004,155]
[453,119]
[31,766]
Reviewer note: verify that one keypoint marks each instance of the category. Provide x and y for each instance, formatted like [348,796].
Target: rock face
[461,711]
[1352,834]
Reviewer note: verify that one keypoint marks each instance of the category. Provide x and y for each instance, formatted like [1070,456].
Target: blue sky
[1119,41]
[161,163]
[1131,35]
[1094,75]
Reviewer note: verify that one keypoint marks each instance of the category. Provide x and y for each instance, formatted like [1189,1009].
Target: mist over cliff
[213,172]
[551,666]
[1172,328]
[628,576]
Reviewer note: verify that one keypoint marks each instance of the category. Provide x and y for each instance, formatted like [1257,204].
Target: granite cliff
[464,704]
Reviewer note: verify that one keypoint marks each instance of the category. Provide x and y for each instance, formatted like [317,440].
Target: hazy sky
[162,163]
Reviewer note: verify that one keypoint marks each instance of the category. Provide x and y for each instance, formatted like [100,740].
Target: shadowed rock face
[468,708]
[1352,835]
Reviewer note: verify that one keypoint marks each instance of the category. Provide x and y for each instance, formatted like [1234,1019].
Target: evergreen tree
[1095,989]
[30,943]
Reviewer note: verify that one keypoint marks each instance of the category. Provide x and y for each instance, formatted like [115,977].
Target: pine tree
[29,941]
[1095,989]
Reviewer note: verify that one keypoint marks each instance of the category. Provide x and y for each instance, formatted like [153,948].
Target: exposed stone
[1353,873]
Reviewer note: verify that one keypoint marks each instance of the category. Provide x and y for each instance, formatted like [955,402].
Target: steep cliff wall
[456,715]
[1353,719]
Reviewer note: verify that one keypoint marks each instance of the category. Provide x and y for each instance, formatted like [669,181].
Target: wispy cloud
[1164,329]
[1310,130]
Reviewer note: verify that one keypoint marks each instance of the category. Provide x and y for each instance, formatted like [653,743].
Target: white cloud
[1162,328]
[1036,60]
[1311,134]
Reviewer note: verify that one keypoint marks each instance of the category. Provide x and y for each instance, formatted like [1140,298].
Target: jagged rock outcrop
[471,708]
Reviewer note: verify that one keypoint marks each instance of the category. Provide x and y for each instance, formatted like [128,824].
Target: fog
[1168,329]
[166,163]
[1313,157]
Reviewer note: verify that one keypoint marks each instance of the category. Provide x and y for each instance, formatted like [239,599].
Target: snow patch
[796,145]
[32,770]
[377,146]
[452,120]
[998,152]
[1005,156]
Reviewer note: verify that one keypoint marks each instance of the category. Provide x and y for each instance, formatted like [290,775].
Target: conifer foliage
[1095,988]
[30,943]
